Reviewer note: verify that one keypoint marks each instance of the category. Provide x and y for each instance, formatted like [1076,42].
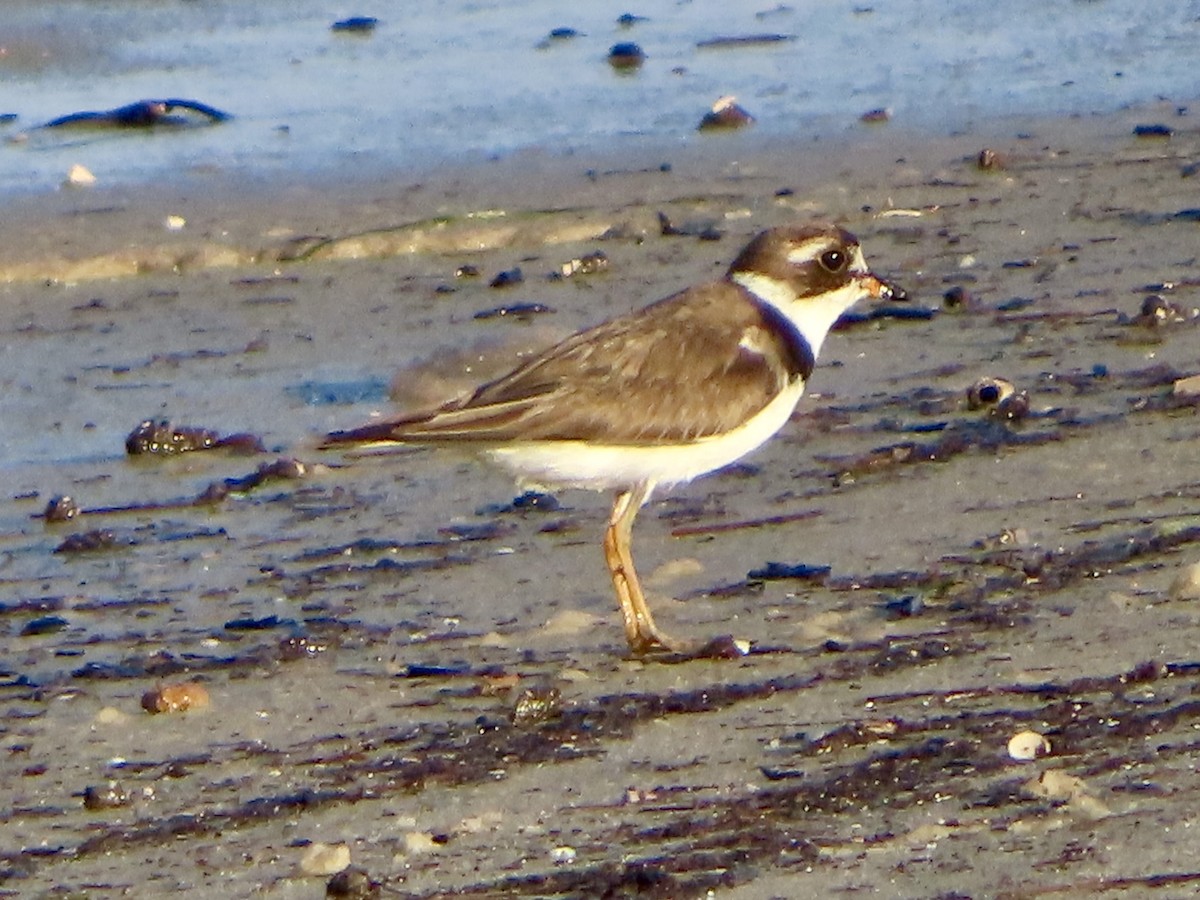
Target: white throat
[812,316]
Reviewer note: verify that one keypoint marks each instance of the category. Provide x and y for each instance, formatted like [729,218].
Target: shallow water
[472,79]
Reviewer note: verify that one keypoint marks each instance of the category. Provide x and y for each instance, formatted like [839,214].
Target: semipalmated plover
[678,389]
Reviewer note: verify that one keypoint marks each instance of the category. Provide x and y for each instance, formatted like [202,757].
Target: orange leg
[641,632]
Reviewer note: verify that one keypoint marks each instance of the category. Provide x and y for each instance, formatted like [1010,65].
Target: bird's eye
[833,260]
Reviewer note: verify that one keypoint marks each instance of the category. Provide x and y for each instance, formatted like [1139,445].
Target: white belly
[581,464]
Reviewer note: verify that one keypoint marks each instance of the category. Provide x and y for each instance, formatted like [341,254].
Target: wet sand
[399,659]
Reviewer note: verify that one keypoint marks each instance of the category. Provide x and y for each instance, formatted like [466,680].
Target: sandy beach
[399,658]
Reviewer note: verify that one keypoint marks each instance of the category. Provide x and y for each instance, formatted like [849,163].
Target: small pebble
[725,114]
[324,859]
[419,842]
[172,698]
[1028,745]
[536,705]
[725,647]
[106,796]
[43,625]
[957,297]
[989,160]
[1153,131]
[988,391]
[1186,584]
[298,646]
[588,264]
[79,177]
[1157,310]
[626,56]
[535,501]
[704,229]
[355,25]
[904,607]
[352,883]
[161,436]
[1187,387]
[508,278]
[61,509]
[88,542]
[562,855]
[776,570]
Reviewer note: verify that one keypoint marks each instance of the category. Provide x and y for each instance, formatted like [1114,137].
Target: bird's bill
[878,289]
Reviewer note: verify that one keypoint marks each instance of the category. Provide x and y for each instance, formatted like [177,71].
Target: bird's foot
[655,642]
[646,639]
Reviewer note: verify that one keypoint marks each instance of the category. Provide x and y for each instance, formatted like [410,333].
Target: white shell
[1026,745]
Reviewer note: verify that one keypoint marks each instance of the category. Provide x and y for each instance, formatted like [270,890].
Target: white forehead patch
[810,249]
[814,247]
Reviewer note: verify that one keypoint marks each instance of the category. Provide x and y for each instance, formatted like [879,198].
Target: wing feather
[698,363]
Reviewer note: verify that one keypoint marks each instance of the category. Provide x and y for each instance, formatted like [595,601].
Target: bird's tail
[385,433]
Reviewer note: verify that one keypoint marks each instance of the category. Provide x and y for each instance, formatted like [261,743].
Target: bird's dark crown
[825,264]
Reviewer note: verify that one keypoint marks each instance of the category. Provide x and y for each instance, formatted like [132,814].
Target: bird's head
[810,273]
